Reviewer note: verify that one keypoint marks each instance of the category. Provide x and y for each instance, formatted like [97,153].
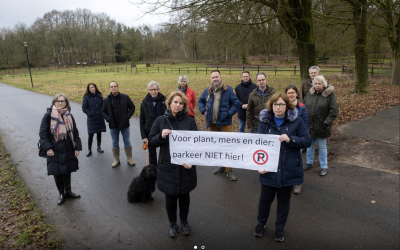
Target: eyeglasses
[60,101]
[279,105]
[153,90]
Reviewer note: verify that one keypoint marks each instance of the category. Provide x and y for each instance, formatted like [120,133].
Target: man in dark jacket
[313,71]
[257,100]
[152,106]
[243,91]
[219,104]
[117,109]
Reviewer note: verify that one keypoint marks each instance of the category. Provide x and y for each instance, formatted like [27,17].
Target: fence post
[165,71]
[258,69]
[243,68]
[343,69]
[372,73]
[66,72]
[206,70]
[158,68]
[230,69]
[217,67]
[179,70]
[188,69]
[294,69]
[275,70]
[196,70]
[126,69]
[136,70]
[147,70]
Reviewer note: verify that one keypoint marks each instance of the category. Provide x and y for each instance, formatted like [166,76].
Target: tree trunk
[361,84]
[396,68]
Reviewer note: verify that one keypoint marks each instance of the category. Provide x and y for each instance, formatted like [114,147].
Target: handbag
[42,152]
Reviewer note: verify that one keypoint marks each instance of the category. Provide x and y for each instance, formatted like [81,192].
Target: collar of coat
[325,93]
[210,89]
[291,115]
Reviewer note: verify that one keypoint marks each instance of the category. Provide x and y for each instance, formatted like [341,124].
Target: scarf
[182,89]
[155,111]
[61,126]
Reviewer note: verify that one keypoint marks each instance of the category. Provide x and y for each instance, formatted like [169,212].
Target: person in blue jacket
[281,118]
[91,106]
[293,93]
[219,104]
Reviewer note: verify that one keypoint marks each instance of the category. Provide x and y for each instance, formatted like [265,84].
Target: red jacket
[191,96]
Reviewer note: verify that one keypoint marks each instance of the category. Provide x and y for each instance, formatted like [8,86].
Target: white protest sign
[235,150]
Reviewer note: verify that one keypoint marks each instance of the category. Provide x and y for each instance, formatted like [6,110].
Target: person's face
[291,93]
[176,105]
[279,108]
[215,78]
[245,77]
[183,83]
[113,88]
[60,102]
[92,89]
[313,73]
[318,85]
[153,90]
[261,82]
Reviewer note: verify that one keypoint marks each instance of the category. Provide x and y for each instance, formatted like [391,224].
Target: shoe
[172,230]
[89,153]
[128,152]
[279,235]
[297,189]
[100,150]
[219,170]
[259,230]
[185,228]
[61,200]
[323,172]
[72,195]
[116,162]
[231,176]
[307,167]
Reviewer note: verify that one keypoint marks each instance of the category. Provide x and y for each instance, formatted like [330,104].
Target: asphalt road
[332,212]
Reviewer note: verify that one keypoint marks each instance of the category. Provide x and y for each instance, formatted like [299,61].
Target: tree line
[220,31]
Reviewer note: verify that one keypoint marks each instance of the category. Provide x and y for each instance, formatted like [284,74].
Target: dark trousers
[63,183]
[171,206]
[267,196]
[90,140]
[152,155]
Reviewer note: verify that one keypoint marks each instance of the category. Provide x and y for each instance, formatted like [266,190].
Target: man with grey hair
[152,106]
[117,109]
[313,71]
[257,100]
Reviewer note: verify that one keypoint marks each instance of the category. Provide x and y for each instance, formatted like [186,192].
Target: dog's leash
[145,146]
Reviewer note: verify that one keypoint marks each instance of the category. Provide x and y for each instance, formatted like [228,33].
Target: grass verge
[22,224]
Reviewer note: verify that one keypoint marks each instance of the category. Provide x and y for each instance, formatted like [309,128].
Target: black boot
[99,143]
[172,230]
[100,150]
[89,153]
[60,186]
[90,141]
[185,228]
[69,193]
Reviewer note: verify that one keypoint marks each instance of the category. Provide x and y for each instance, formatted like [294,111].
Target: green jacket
[255,105]
[322,110]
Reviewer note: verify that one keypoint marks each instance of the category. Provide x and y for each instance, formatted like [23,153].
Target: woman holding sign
[176,181]
[281,118]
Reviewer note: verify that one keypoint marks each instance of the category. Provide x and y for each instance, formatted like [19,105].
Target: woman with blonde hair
[176,181]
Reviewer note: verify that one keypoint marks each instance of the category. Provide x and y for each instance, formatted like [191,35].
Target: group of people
[265,111]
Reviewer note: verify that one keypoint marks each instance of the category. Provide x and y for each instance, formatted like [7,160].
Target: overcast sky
[27,11]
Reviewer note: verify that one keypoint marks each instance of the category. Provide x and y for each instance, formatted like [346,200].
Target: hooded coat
[91,106]
[172,179]
[63,161]
[290,167]
[322,110]
[243,91]
[229,105]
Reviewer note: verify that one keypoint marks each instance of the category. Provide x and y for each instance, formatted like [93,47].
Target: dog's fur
[143,185]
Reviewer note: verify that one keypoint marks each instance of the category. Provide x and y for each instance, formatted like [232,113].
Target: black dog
[143,185]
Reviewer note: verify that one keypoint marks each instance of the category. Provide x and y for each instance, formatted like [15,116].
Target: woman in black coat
[176,181]
[152,106]
[91,106]
[281,118]
[59,137]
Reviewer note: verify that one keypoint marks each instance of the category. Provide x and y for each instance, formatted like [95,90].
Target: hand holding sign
[165,132]
[285,138]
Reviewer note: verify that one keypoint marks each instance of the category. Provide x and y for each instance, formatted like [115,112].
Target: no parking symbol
[260,157]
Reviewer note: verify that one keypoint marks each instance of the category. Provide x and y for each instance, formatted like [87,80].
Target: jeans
[323,152]
[242,126]
[115,137]
[267,196]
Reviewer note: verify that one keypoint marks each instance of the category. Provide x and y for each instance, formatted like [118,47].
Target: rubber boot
[69,193]
[60,186]
[128,152]
[90,140]
[116,162]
